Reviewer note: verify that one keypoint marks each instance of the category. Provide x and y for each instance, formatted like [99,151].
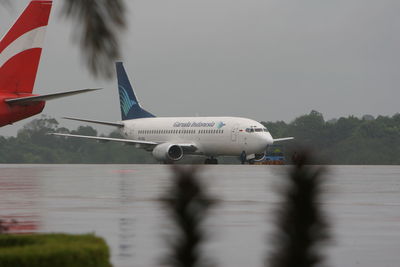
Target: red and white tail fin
[21,47]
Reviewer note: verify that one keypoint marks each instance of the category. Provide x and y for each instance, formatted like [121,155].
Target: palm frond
[99,23]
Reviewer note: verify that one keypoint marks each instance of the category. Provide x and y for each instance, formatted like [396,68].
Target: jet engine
[168,152]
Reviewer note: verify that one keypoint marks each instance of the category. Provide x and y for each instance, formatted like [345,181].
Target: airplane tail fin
[21,48]
[130,107]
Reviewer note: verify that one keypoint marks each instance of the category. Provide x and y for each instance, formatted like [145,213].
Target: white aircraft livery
[170,139]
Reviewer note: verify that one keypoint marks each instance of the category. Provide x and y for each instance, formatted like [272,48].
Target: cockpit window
[257,130]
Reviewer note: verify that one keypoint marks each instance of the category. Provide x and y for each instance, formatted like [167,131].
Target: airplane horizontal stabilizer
[39,98]
[283,139]
[116,124]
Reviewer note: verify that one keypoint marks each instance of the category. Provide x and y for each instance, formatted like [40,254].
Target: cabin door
[234,133]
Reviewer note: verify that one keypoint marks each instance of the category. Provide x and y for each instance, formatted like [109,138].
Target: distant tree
[348,141]
[368,117]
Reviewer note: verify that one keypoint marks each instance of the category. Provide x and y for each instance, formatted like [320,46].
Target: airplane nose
[268,140]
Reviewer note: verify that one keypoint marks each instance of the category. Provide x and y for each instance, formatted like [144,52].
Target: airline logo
[126,102]
[30,40]
[21,47]
[220,125]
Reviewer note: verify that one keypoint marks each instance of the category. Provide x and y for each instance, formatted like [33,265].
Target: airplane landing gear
[243,157]
[211,160]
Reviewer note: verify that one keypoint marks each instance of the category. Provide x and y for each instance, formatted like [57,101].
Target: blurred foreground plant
[302,228]
[99,22]
[187,204]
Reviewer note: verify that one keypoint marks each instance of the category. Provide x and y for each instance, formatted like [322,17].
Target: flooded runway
[120,203]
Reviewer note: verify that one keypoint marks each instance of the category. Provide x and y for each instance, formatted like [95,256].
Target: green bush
[53,250]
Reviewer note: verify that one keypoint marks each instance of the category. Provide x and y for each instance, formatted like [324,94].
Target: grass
[53,250]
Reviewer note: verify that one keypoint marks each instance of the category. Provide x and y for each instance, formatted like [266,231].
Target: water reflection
[120,204]
[19,205]
[126,223]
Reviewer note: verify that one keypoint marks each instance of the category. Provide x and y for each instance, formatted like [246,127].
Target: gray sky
[262,59]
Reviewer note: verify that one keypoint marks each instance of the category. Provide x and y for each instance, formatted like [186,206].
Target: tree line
[351,140]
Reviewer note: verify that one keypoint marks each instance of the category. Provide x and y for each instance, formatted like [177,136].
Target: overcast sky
[262,59]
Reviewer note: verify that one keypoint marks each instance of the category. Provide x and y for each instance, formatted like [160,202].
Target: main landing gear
[243,157]
[211,160]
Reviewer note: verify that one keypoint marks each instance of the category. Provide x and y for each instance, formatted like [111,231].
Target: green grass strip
[53,250]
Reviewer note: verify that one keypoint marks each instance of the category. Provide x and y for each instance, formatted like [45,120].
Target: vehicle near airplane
[20,51]
[171,138]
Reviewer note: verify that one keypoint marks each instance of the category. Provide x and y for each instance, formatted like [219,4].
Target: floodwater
[120,203]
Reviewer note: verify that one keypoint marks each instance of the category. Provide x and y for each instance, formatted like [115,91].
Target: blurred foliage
[99,22]
[187,204]
[301,226]
[53,250]
[343,141]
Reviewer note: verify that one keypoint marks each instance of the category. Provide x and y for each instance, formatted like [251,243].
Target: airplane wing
[30,99]
[116,124]
[148,145]
[283,139]
[106,139]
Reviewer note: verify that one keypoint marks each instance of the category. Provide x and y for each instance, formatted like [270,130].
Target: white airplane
[170,139]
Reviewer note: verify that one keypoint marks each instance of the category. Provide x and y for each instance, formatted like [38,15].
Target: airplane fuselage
[13,113]
[212,136]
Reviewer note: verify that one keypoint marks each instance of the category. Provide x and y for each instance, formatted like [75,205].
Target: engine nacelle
[168,152]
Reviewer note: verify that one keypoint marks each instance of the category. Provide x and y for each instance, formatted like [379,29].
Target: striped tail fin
[21,48]
[130,107]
